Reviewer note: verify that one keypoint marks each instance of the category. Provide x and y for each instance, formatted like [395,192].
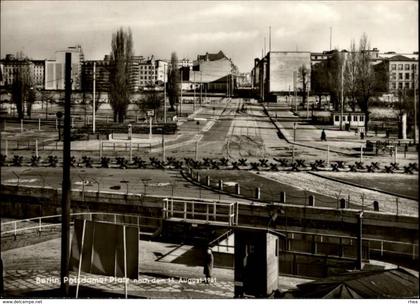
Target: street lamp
[59,116]
[196,142]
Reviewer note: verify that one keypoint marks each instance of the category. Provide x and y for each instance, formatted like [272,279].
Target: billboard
[105,249]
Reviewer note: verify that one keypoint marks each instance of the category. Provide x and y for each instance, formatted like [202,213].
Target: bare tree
[303,76]
[173,82]
[119,88]
[350,77]
[22,87]
[365,78]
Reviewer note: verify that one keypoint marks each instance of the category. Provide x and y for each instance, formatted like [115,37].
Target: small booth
[351,120]
[257,261]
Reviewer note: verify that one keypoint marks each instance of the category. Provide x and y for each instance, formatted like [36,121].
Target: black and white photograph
[195,150]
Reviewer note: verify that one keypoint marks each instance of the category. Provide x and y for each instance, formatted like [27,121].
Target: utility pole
[415,108]
[201,87]
[66,185]
[164,96]
[342,94]
[330,38]
[94,99]
[163,146]
[265,49]
[180,104]
[194,95]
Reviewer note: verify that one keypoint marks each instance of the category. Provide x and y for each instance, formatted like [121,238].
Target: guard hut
[351,120]
[257,261]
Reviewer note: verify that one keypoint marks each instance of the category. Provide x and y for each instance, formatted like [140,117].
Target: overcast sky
[39,28]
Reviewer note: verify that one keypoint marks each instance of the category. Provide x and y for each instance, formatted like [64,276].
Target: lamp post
[196,142]
[59,116]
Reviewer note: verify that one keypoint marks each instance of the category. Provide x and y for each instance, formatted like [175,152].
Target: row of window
[148,77]
[401,85]
[401,76]
[402,66]
[349,118]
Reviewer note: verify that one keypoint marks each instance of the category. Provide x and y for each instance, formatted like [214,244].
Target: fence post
[376,206]
[36,147]
[238,189]
[257,193]
[328,155]
[282,197]
[131,152]
[221,185]
[343,203]
[397,201]
[39,124]
[311,200]
[208,183]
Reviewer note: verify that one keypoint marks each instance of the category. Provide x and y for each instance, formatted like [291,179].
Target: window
[344,118]
[407,76]
[393,67]
[362,118]
[400,85]
[349,118]
[407,67]
[400,66]
[355,118]
[407,85]
[413,67]
[394,76]
[400,76]
[394,85]
[336,118]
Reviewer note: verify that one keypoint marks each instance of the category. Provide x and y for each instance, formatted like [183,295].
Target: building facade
[402,73]
[10,66]
[279,73]
[55,69]
[216,72]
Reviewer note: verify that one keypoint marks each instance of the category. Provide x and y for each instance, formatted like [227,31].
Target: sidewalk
[309,135]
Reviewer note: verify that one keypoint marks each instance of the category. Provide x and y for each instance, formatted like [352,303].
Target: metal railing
[383,247]
[208,211]
[43,222]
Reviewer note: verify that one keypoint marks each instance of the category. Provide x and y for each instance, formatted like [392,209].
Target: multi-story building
[102,73]
[278,74]
[55,69]
[11,65]
[402,73]
[152,72]
[161,71]
[215,71]
[38,75]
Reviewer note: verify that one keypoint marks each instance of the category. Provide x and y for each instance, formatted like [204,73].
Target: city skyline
[39,28]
